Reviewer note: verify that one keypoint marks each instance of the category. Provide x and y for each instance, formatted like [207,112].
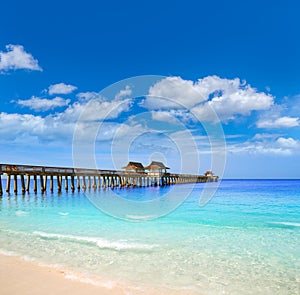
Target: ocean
[245,240]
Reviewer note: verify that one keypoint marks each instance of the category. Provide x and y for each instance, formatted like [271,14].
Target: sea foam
[101,243]
[287,224]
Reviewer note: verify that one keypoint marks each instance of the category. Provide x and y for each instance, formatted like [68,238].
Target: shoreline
[22,276]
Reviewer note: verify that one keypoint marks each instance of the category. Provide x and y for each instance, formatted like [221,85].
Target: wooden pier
[72,179]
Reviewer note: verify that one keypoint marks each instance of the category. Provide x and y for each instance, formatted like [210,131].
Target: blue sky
[239,58]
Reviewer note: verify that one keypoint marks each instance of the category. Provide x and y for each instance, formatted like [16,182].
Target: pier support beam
[89,182]
[8,184]
[59,184]
[1,191]
[42,183]
[66,183]
[35,184]
[99,182]
[45,183]
[51,183]
[104,183]
[83,183]
[94,183]
[72,184]
[23,184]
[78,182]
[27,183]
[15,184]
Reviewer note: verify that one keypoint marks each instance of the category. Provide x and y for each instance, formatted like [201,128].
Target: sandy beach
[19,276]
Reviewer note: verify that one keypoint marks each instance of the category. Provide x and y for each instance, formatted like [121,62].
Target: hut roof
[134,165]
[156,165]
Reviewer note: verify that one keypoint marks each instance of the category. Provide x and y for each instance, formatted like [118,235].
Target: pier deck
[87,178]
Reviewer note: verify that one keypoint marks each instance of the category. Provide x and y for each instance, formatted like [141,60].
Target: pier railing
[88,178]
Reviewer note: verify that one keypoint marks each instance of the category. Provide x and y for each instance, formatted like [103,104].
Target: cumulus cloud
[288,142]
[123,93]
[95,110]
[174,92]
[15,125]
[226,97]
[282,122]
[54,128]
[16,58]
[266,144]
[43,104]
[61,88]
[83,114]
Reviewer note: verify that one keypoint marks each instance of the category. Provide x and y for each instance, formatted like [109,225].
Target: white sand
[18,276]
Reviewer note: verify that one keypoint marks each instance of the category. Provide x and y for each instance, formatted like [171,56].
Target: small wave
[7,253]
[63,213]
[286,224]
[101,243]
[141,217]
[14,254]
[21,213]
[73,277]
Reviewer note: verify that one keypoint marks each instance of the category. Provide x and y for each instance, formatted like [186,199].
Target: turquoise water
[246,240]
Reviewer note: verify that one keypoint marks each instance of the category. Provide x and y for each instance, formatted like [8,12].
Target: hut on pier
[134,167]
[209,173]
[156,169]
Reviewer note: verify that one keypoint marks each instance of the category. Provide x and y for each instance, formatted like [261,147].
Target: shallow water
[246,240]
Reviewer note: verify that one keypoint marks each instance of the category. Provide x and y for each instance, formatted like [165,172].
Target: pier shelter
[134,167]
[156,169]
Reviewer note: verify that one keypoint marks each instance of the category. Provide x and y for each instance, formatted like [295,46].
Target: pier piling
[45,183]
[1,191]
[72,184]
[78,182]
[8,184]
[15,184]
[35,183]
[66,183]
[42,183]
[51,183]
[59,184]
[27,183]
[23,184]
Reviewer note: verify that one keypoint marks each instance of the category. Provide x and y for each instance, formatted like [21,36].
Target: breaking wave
[101,243]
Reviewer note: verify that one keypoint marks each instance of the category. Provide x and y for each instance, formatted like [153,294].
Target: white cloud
[86,96]
[61,88]
[174,92]
[282,122]
[59,127]
[163,116]
[172,116]
[227,97]
[43,104]
[95,110]
[262,136]
[288,142]
[16,57]
[123,93]
[16,125]
[266,145]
